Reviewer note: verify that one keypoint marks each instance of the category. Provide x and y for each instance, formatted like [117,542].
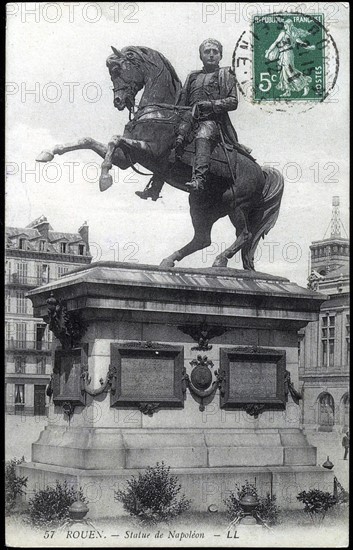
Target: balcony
[28,345]
[17,279]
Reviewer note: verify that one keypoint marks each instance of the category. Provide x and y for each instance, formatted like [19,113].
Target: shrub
[266,509]
[152,497]
[50,506]
[14,484]
[317,503]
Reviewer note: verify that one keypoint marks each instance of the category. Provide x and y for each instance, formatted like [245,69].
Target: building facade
[325,344]
[35,255]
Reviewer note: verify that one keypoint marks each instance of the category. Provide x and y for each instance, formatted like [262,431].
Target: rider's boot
[201,165]
[152,189]
[179,145]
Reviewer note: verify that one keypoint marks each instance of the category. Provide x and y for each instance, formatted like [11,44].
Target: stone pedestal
[130,389]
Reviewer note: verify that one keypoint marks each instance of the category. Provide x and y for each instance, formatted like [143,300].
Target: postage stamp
[288,57]
[287,61]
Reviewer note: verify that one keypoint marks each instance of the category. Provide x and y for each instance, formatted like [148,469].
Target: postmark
[286,61]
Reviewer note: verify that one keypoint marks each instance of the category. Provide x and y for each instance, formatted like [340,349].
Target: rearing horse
[251,201]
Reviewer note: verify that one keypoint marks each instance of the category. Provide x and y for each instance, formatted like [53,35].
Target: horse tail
[266,216]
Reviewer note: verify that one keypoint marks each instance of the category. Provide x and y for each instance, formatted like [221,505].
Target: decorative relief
[104,384]
[203,333]
[148,408]
[254,409]
[67,326]
[289,388]
[201,383]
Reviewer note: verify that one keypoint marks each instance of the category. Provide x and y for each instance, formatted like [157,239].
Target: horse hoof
[220,262]
[105,182]
[45,156]
[165,264]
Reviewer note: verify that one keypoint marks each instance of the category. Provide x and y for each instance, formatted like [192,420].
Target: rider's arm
[230,102]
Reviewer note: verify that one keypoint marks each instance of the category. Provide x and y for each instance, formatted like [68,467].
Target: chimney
[83,231]
[42,225]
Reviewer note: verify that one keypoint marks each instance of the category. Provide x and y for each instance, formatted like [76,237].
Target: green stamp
[288,57]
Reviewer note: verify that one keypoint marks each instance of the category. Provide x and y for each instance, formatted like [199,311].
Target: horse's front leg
[85,143]
[106,179]
[201,239]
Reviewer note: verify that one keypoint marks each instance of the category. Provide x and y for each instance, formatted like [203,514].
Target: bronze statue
[236,186]
[212,92]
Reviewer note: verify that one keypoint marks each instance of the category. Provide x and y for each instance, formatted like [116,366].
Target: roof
[34,234]
[342,270]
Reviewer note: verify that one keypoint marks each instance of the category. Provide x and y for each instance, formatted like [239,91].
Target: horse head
[133,68]
[127,77]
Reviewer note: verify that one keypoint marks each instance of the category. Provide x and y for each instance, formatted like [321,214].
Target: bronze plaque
[148,373]
[68,367]
[250,379]
[253,376]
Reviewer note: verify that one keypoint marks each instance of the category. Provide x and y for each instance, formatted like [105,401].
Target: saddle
[219,163]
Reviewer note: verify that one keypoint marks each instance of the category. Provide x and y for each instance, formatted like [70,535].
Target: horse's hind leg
[247,256]
[239,220]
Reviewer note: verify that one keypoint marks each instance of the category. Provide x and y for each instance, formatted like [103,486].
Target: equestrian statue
[184,137]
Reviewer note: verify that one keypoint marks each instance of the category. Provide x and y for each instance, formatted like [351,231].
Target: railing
[20,344]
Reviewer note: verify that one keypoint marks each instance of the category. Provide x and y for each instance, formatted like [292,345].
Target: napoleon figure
[212,92]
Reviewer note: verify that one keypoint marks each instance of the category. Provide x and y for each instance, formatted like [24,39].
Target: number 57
[266,81]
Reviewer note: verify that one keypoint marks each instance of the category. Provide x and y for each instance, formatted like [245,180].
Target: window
[21,302]
[41,365]
[328,340]
[43,274]
[7,301]
[326,412]
[22,244]
[21,335]
[63,248]
[347,339]
[19,394]
[20,365]
[81,249]
[62,269]
[40,331]
[42,246]
[8,332]
[21,275]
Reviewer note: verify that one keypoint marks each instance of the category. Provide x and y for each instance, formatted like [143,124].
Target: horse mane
[140,55]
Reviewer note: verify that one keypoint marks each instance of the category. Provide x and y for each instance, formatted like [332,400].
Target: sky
[59,90]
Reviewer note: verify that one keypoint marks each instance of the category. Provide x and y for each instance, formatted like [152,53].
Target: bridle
[132,89]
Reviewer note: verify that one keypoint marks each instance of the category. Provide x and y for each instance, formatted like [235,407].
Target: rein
[135,118]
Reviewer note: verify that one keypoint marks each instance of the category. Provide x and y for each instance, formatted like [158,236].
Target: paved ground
[20,433]
[190,530]
[330,444]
